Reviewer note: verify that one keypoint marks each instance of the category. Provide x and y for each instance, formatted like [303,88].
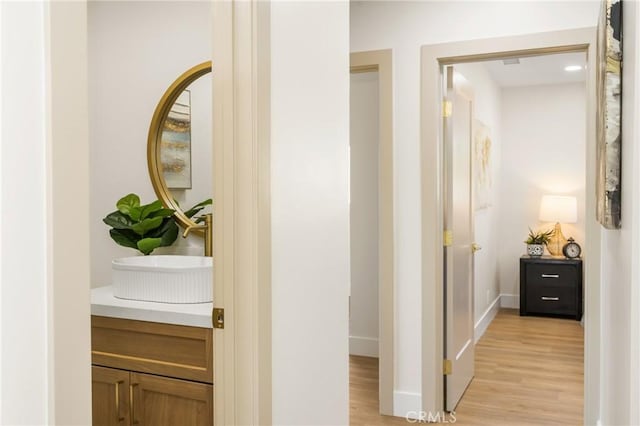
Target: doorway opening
[371,304]
[514,143]
[433,60]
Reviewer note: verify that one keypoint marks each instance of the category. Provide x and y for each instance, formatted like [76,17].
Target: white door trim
[432,58]
[68,309]
[242,224]
[381,61]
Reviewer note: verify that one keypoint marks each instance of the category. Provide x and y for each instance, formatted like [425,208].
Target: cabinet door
[110,396]
[161,401]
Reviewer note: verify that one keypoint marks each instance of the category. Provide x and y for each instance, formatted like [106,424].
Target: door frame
[242,226]
[433,57]
[381,61]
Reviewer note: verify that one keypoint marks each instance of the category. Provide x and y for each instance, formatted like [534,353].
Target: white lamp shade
[558,208]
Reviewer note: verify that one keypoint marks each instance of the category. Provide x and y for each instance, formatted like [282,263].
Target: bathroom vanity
[152,363]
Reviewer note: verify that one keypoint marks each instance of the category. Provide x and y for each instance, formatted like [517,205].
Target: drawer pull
[132,401]
[550,276]
[118,416]
[550,298]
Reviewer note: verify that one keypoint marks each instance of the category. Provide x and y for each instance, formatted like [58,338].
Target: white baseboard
[510,301]
[363,346]
[486,318]
[407,404]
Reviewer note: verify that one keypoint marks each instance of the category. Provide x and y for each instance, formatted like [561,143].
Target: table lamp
[558,209]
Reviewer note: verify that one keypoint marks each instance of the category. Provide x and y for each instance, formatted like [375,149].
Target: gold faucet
[208,233]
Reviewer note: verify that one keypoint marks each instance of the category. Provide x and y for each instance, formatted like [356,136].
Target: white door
[458,253]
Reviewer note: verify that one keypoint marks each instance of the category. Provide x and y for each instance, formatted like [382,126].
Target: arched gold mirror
[179,144]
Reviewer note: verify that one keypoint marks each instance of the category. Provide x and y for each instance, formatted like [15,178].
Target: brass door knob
[475,247]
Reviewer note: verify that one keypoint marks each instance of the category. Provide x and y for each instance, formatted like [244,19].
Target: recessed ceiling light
[573,68]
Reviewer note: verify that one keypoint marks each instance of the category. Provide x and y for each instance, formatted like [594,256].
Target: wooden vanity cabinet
[110,396]
[164,401]
[152,374]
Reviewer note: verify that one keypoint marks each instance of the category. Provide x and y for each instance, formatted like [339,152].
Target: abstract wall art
[609,107]
[481,165]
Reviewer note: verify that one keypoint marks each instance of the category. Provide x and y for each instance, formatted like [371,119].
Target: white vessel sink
[167,279]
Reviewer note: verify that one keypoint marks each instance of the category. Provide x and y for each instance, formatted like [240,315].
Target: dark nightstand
[551,286]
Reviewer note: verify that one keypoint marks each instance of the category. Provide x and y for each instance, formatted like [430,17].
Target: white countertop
[103,303]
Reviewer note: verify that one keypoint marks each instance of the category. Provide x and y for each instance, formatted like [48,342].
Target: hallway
[529,371]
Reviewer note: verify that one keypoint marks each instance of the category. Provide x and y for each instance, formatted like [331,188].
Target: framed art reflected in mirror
[175,153]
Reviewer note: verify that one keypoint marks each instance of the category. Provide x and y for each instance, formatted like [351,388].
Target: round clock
[571,250]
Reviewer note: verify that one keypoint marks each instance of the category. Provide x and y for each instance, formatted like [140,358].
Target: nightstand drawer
[551,299]
[551,286]
[550,274]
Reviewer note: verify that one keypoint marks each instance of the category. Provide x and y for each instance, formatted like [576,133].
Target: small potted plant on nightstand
[536,242]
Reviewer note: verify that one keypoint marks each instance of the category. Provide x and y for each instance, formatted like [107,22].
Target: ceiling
[536,70]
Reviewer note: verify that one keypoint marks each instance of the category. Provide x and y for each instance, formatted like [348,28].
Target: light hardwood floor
[529,371]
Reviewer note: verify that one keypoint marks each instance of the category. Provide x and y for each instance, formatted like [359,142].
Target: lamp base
[556,242]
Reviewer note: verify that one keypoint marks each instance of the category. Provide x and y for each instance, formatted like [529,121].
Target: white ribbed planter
[166,279]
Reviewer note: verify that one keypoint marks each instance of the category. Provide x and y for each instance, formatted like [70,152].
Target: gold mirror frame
[155,138]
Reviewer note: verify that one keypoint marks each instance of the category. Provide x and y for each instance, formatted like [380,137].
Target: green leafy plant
[197,208]
[142,227]
[539,237]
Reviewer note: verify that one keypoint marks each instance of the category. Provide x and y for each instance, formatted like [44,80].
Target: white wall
[404,27]
[364,142]
[24,290]
[620,298]
[543,152]
[310,212]
[487,109]
[45,332]
[136,50]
